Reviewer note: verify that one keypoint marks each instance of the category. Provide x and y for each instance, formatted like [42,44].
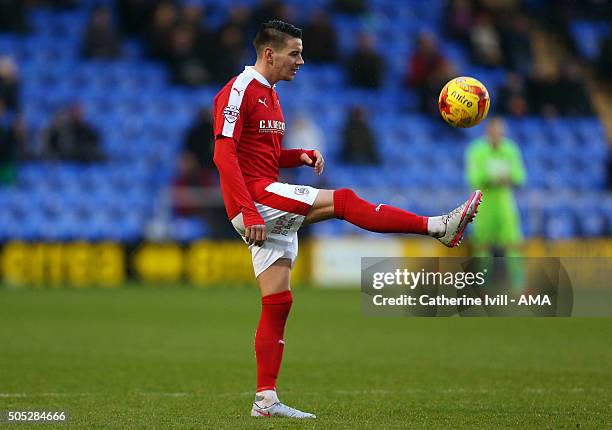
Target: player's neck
[265,73]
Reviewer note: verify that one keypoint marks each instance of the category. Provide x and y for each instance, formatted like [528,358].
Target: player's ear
[268,53]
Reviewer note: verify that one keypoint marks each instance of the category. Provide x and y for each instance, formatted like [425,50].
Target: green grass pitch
[179,357]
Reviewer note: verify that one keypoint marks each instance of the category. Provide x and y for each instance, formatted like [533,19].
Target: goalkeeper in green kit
[495,165]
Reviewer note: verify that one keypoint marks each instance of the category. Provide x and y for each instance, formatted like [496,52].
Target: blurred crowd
[497,34]
[558,15]
[12,129]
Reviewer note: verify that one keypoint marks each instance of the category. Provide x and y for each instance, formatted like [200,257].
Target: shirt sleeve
[230,111]
[232,182]
[291,157]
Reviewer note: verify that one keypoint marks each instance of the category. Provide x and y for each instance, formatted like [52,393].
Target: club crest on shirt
[231,113]
[301,191]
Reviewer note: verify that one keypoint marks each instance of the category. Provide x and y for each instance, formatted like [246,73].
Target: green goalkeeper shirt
[496,171]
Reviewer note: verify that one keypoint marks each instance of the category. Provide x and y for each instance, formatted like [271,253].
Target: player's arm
[226,160]
[300,157]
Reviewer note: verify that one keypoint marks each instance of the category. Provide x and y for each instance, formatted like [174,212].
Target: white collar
[260,78]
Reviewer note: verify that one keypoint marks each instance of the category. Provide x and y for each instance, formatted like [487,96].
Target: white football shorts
[283,208]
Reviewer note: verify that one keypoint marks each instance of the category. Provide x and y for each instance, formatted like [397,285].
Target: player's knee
[340,197]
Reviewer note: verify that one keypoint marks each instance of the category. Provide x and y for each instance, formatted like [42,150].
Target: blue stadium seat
[587,36]
[188,229]
[559,224]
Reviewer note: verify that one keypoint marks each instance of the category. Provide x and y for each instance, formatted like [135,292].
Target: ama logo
[539,300]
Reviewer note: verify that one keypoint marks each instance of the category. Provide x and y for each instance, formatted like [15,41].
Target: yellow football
[464,102]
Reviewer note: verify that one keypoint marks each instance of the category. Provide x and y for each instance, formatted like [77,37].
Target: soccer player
[494,164]
[249,127]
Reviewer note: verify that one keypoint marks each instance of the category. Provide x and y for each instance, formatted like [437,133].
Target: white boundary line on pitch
[21,395]
[151,394]
[530,390]
[154,394]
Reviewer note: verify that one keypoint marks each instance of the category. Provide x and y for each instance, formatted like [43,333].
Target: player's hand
[255,234]
[319,162]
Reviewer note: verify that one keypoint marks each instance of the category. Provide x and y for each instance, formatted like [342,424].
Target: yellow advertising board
[204,263]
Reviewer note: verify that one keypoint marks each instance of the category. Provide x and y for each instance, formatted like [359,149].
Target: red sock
[381,219]
[269,339]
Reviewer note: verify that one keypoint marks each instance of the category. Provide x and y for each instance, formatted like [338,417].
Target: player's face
[496,130]
[288,60]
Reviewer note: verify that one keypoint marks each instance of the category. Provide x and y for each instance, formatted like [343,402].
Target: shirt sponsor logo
[231,113]
[301,191]
[271,126]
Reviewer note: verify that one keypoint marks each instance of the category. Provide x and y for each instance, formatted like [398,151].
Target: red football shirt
[247,110]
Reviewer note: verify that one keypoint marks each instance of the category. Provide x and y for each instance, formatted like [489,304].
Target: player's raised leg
[382,218]
[274,284]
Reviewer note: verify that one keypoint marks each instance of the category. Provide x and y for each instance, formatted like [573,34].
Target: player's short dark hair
[275,33]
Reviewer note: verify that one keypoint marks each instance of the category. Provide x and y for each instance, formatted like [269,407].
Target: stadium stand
[142,119]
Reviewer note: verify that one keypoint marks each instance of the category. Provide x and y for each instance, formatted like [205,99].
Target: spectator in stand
[12,144]
[199,140]
[9,84]
[185,66]
[101,40]
[70,138]
[557,15]
[431,90]
[239,16]
[366,66]
[351,7]
[56,4]
[229,54]
[574,99]
[604,62]
[609,169]
[516,42]
[303,133]
[425,65]
[557,93]
[159,33]
[134,16]
[542,92]
[321,37]
[12,16]
[485,43]
[267,10]
[358,141]
[192,16]
[428,71]
[195,193]
[459,20]
[189,180]
[512,97]
[195,189]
